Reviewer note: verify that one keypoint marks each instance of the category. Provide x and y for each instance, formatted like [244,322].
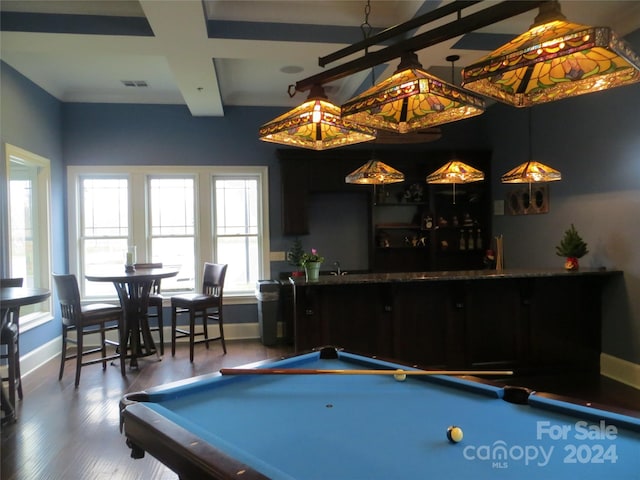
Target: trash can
[268,295]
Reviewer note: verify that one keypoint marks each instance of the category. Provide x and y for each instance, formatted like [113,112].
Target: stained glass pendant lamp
[554,59]
[316,124]
[374,172]
[455,172]
[411,99]
[531,171]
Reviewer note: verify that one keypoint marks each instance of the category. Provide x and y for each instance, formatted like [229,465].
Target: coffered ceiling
[214,54]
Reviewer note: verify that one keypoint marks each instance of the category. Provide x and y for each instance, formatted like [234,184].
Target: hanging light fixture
[554,59]
[531,171]
[410,100]
[374,172]
[316,124]
[455,172]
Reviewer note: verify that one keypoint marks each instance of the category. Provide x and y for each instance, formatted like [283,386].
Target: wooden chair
[206,305]
[10,339]
[95,318]
[155,301]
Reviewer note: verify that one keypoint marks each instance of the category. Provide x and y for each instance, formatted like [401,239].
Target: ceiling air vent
[134,83]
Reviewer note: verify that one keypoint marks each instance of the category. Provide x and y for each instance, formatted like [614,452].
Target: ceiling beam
[399,29]
[180,30]
[483,18]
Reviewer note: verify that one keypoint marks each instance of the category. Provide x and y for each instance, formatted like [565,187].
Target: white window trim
[204,209]
[30,321]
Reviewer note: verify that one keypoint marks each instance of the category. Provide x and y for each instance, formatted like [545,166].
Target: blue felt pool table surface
[375,427]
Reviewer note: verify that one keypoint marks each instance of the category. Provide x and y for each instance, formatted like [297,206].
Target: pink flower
[312,257]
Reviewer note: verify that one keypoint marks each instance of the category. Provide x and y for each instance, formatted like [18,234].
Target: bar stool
[10,339]
[206,305]
[95,318]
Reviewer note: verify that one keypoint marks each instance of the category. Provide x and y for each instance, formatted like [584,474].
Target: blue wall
[31,119]
[594,140]
[112,134]
[117,134]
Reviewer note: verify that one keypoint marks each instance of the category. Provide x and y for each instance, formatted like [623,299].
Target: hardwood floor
[64,433]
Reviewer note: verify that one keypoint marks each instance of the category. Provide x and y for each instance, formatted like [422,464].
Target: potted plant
[294,257]
[572,247]
[312,262]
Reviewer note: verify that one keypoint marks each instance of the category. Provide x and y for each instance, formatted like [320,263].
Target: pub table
[133,290]
[12,297]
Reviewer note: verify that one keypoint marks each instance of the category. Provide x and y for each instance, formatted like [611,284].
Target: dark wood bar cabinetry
[525,320]
[413,226]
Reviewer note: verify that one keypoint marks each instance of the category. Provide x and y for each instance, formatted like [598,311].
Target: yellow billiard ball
[401,377]
[454,434]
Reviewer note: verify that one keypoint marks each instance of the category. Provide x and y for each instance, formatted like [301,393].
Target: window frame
[204,214]
[150,236]
[260,220]
[43,219]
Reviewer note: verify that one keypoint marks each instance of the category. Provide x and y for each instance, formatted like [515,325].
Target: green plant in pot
[312,262]
[572,247]
[295,257]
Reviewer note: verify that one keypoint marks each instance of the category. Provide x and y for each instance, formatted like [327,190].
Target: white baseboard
[620,370]
[41,355]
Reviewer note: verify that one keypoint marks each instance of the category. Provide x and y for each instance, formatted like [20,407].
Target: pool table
[352,427]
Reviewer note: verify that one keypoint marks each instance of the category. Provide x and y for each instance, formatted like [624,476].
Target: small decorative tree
[572,247]
[295,255]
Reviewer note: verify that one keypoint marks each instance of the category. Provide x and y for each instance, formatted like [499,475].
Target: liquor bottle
[463,243]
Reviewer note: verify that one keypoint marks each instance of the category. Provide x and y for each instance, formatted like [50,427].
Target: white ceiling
[244,58]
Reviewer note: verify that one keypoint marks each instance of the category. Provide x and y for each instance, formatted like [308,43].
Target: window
[236,230]
[29,197]
[180,216]
[173,228]
[104,227]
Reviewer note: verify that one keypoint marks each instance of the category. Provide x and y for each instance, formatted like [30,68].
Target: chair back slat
[213,279]
[68,296]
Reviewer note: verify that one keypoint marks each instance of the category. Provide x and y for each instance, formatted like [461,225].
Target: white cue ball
[401,377]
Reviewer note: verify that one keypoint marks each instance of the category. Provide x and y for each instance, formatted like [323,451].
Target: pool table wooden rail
[181,450]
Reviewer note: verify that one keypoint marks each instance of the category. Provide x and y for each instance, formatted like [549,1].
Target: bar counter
[326,278]
[533,319]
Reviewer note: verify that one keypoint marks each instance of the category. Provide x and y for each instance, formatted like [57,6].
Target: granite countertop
[447,276]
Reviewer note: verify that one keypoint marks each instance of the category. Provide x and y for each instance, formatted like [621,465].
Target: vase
[571,264]
[312,271]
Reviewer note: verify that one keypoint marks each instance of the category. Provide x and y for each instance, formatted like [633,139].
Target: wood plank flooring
[64,433]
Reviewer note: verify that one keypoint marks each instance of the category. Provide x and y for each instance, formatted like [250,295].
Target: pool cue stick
[310,371]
